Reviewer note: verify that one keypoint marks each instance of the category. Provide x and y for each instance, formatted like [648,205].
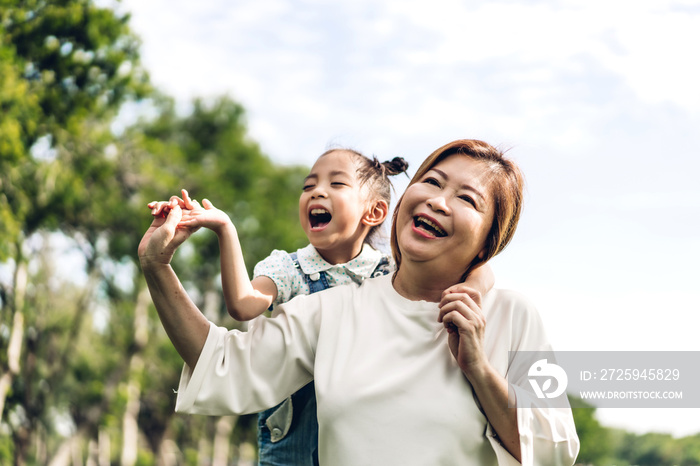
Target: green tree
[105,373]
[66,68]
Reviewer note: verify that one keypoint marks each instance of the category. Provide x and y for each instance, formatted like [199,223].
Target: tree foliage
[91,357]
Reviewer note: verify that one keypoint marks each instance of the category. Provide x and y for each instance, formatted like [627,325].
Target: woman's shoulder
[511,304]
[507,297]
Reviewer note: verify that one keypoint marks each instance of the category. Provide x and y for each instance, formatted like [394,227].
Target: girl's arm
[245,300]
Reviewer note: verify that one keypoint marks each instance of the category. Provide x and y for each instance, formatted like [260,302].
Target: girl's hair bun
[395,166]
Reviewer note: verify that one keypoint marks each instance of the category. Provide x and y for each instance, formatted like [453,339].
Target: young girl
[345,200]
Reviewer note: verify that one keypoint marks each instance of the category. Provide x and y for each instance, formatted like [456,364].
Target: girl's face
[445,217]
[332,207]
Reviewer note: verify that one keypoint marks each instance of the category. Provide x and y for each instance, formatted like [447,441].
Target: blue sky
[597,100]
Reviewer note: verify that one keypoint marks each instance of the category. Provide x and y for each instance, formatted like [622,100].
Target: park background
[108,105]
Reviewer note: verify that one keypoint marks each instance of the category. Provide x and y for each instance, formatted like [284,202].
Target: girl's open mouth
[319,218]
[428,226]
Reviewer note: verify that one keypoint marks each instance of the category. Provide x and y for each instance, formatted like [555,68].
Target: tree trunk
[14,349]
[203,451]
[133,405]
[104,447]
[130,426]
[69,453]
[222,440]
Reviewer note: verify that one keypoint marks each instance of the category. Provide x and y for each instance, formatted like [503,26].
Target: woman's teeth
[429,226]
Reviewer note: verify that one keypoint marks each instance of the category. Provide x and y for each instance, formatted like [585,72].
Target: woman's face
[444,218]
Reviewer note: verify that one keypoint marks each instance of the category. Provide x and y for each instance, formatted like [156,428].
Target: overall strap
[316,281]
[383,268]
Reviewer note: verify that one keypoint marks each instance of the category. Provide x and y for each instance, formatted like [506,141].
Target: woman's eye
[468,199]
[432,181]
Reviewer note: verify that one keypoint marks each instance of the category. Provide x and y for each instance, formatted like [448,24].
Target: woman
[409,368]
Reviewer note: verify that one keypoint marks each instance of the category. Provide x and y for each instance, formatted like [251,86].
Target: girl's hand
[162,208]
[207,216]
[460,312]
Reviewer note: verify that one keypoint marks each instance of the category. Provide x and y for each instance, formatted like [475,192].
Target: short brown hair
[506,184]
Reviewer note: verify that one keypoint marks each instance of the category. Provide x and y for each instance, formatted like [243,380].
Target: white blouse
[388,389]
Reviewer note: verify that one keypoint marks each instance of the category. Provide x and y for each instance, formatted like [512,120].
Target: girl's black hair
[375,175]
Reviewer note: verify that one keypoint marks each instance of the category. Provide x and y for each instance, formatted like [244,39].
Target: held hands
[174,221]
[460,312]
[207,216]
[194,215]
[164,235]
[162,238]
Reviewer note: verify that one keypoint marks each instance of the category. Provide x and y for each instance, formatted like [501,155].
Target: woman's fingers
[459,308]
[458,300]
[174,217]
[459,313]
[462,288]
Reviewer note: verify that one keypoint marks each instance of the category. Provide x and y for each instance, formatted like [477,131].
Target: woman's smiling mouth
[428,226]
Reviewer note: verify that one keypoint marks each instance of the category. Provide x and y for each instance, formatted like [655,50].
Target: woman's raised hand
[460,312]
[165,234]
[162,238]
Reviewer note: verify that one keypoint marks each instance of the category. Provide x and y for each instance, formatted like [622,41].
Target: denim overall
[288,432]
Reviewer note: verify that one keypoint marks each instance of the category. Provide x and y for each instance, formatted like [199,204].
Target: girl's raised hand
[460,312]
[206,215]
[162,208]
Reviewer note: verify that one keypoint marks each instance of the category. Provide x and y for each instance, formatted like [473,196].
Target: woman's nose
[438,204]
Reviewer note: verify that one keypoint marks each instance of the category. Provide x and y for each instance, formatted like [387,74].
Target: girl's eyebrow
[333,173]
[464,186]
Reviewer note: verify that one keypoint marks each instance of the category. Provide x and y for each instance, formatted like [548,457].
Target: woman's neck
[418,283]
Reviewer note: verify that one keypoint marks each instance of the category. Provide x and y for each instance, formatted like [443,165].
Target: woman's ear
[376,214]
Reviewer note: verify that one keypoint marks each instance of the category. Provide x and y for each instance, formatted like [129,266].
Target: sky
[597,101]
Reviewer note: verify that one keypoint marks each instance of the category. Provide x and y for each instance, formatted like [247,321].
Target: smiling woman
[409,369]
[488,192]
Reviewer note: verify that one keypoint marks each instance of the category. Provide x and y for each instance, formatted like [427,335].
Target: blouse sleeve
[547,431]
[247,372]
